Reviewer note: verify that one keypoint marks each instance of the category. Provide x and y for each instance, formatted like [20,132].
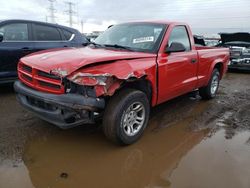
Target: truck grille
[40,80]
[235,53]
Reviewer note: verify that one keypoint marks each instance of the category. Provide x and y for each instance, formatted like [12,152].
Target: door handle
[26,49]
[193,60]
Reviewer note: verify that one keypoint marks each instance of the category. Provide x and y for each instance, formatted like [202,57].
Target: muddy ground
[188,143]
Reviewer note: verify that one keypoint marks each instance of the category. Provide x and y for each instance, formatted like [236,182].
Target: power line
[70,12]
[52,11]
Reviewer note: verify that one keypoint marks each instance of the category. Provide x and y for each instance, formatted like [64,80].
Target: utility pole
[52,11]
[70,12]
[82,25]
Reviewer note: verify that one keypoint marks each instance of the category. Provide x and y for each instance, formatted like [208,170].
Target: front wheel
[210,91]
[126,116]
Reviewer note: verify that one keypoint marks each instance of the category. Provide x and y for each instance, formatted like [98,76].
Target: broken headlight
[73,88]
[89,79]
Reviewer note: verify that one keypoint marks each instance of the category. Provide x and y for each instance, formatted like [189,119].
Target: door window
[179,34]
[67,34]
[15,32]
[46,33]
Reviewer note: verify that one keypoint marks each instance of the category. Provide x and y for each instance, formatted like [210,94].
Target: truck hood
[235,37]
[66,61]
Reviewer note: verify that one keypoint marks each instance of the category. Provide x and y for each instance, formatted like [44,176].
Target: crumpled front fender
[107,78]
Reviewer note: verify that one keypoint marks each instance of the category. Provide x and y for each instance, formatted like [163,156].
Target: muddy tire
[211,89]
[126,116]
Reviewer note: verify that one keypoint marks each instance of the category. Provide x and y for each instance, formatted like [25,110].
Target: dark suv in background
[239,45]
[21,37]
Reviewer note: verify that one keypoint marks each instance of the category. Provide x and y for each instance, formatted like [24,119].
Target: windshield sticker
[143,39]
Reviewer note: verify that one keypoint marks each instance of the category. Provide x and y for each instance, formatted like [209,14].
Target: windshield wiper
[93,43]
[107,45]
[118,46]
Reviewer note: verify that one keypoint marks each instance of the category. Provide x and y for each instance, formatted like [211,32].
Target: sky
[203,15]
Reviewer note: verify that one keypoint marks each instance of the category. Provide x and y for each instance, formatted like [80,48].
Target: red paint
[34,80]
[108,90]
[174,72]
[71,59]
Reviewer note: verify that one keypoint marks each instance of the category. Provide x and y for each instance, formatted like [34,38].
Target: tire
[210,91]
[120,124]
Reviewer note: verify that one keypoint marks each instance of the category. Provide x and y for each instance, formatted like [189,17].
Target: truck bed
[208,56]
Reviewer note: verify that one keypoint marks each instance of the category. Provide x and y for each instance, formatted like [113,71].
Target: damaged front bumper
[240,63]
[65,111]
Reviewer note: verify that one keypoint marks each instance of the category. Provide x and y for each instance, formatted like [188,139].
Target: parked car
[130,68]
[211,41]
[21,37]
[239,45]
[199,40]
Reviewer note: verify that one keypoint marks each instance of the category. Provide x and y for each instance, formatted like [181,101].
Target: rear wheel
[211,89]
[126,116]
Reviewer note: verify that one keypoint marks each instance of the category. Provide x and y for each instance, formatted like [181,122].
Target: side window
[179,34]
[46,33]
[15,32]
[67,34]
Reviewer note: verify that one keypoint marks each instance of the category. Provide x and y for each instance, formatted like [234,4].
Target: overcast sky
[98,14]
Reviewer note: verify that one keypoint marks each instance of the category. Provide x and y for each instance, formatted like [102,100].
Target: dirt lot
[188,143]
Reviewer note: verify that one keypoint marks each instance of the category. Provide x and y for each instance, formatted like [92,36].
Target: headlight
[89,79]
[71,87]
[103,84]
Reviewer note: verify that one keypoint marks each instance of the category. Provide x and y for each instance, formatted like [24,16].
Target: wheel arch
[141,84]
[216,64]
[220,67]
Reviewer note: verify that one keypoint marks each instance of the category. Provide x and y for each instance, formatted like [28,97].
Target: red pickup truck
[128,69]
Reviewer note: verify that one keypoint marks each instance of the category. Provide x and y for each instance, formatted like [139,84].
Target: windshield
[142,37]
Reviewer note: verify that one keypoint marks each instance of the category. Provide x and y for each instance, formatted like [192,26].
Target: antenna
[70,12]
[52,11]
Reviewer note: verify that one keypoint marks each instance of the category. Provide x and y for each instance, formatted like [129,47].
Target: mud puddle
[77,157]
[215,162]
[175,156]
[182,159]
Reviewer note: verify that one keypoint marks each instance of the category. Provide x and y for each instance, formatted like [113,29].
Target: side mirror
[175,47]
[1,37]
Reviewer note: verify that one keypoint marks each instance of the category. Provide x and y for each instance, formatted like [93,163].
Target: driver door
[177,70]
